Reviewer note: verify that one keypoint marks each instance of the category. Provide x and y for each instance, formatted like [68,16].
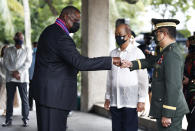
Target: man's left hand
[166,122]
[16,75]
[140,106]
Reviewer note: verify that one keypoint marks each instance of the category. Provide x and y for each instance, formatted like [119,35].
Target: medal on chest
[160,60]
[157,66]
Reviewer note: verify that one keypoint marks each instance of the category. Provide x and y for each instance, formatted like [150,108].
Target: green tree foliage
[10,11]
[169,8]
[121,9]
[186,33]
[42,15]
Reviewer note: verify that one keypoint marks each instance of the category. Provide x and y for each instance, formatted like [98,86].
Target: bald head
[123,35]
[71,17]
[123,29]
[69,10]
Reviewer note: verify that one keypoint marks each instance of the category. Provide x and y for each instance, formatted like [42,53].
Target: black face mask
[18,41]
[75,27]
[155,40]
[120,40]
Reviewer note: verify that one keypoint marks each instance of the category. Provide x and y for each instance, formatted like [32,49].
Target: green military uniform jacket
[167,95]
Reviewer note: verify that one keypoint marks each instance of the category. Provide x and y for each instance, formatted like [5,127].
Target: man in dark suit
[57,64]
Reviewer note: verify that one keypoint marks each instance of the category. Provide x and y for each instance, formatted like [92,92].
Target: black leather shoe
[7,123]
[25,123]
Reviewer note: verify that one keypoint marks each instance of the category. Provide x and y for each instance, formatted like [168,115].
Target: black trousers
[51,119]
[124,119]
[11,89]
[191,121]
[30,98]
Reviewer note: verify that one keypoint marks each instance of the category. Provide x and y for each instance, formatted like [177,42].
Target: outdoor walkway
[78,121]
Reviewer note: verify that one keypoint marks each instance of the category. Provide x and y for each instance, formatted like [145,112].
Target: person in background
[31,72]
[126,91]
[148,48]
[6,43]
[189,83]
[3,97]
[2,82]
[17,60]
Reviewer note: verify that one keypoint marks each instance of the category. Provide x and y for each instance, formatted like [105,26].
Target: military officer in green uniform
[168,104]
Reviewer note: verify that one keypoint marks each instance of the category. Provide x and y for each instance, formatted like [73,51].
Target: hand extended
[140,106]
[107,104]
[16,75]
[126,64]
[116,61]
[166,122]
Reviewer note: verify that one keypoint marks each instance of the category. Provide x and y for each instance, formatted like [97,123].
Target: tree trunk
[27,23]
[52,8]
[6,17]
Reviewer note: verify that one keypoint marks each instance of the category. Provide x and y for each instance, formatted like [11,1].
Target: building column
[95,43]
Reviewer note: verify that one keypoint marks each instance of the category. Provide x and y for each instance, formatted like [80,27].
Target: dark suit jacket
[57,64]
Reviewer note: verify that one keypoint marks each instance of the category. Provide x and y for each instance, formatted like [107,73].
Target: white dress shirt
[126,88]
[17,60]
